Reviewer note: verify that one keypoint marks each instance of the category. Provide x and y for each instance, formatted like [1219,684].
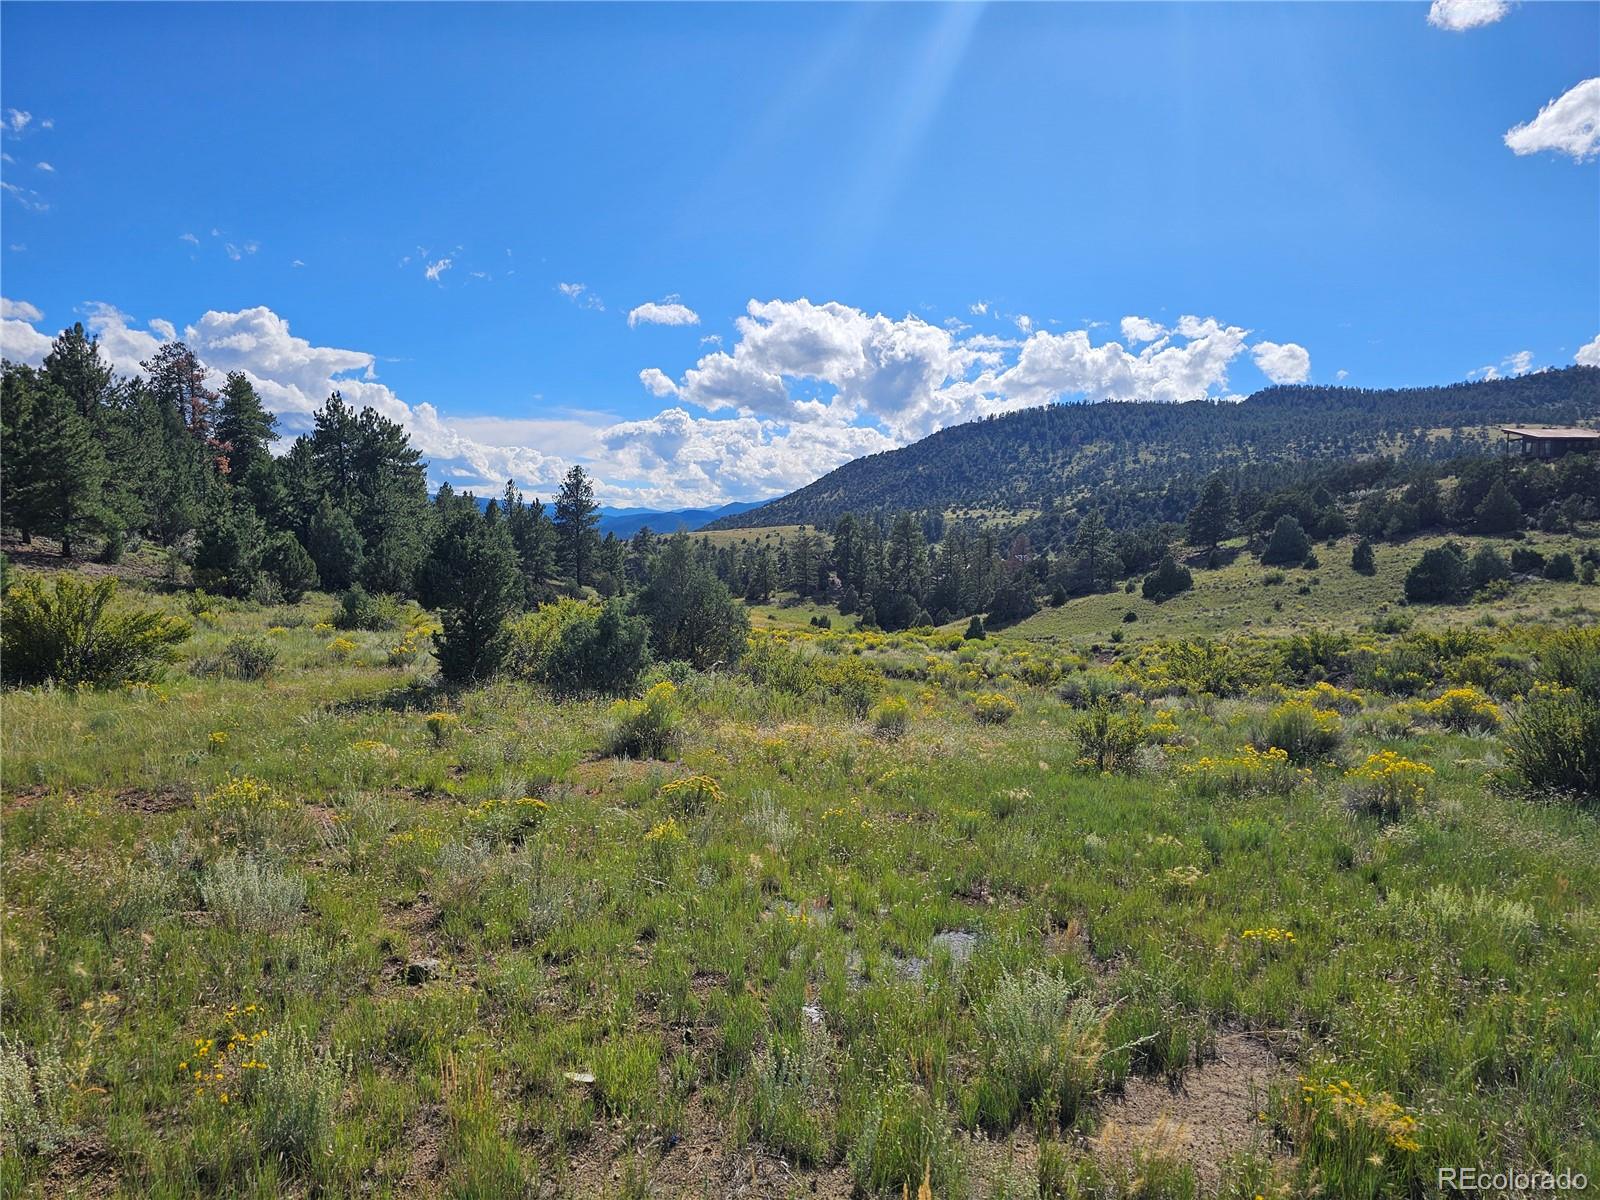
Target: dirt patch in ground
[82,1168]
[165,799]
[698,1161]
[158,800]
[1211,1114]
[425,1138]
[1008,1167]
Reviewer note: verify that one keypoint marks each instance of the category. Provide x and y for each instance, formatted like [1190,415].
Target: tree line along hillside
[1020,462]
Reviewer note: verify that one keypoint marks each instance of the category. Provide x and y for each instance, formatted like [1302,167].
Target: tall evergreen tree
[575,523]
[1211,519]
[245,431]
[61,487]
[481,581]
[178,379]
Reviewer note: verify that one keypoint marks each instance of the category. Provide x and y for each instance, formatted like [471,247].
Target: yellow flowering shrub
[646,728]
[692,794]
[1464,709]
[218,1069]
[1387,785]
[1245,772]
[992,708]
[341,648]
[1324,695]
[442,725]
[243,811]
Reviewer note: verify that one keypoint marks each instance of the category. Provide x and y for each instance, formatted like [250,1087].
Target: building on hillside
[1539,441]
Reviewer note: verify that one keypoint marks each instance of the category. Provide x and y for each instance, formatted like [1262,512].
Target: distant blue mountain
[625,522]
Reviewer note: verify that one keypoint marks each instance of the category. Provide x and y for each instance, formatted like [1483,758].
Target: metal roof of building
[1551,431]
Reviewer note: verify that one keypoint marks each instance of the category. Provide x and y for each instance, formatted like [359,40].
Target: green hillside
[1009,464]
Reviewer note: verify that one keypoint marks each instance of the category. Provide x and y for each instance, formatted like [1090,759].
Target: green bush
[579,649]
[778,668]
[1362,559]
[1487,566]
[359,609]
[1167,580]
[1440,576]
[1306,734]
[1108,736]
[249,658]
[67,630]
[1554,745]
[1561,568]
[645,728]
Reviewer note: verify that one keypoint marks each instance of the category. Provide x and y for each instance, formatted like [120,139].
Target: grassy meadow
[1034,915]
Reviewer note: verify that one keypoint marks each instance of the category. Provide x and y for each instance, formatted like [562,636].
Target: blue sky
[870,221]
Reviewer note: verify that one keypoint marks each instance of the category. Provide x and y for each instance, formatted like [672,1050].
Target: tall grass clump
[1553,747]
[1043,1041]
[67,630]
[248,896]
[905,1137]
[793,1113]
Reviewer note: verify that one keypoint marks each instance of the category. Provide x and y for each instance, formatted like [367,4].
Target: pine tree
[1362,559]
[60,489]
[575,522]
[245,431]
[334,546]
[803,562]
[483,586]
[231,545]
[290,566]
[692,615]
[1094,563]
[178,380]
[1499,511]
[1288,545]
[1211,519]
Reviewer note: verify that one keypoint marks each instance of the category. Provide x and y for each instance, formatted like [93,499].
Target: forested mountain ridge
[1061,452]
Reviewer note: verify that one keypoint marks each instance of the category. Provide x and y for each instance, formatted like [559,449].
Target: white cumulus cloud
[1589,355]
[801,388]
[1282,362]
[1569,124]
[437,268]
[1141,329]
[666,313]
[20,309]
[1457,15]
